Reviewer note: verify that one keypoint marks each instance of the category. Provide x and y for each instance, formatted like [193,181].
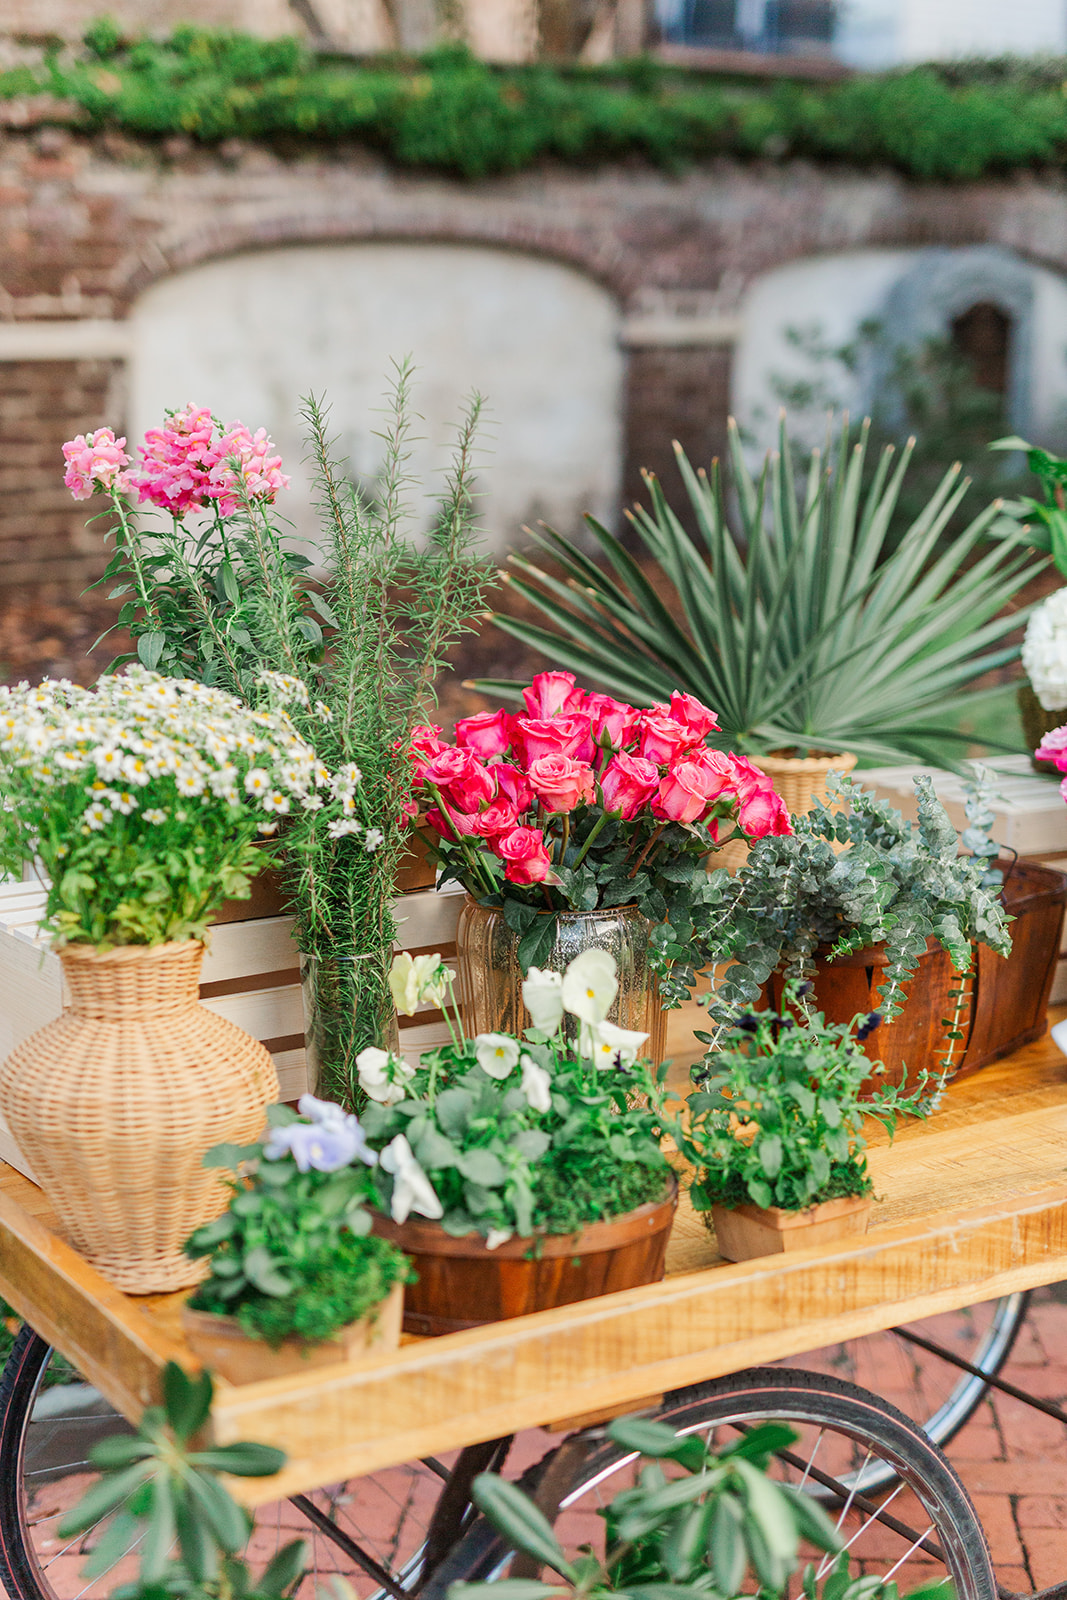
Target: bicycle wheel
[372,1531]
[920,1378]
[923,1530]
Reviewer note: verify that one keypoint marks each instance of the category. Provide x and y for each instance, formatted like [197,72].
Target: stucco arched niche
[249,335]
[913,296]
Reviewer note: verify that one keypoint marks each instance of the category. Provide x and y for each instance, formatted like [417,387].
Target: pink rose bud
[551,692]
[763,813]
[692,714]
[627,783]
[426,742]
[462,779]
[560,783]
[524,851]
[720,770]
[748,778]
[663,739]
[565,735]
[610,719]
[500,817]
[513,784]
[455,822]
[684,792]
[487,733]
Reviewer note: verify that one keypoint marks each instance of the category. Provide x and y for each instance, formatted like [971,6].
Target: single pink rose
[719,767]
[627,783]
[512,784]
[456,822]
[684,792]
[560,783]
[763,813]
[747,777]
[565,735]
[610,719]
[487,733]
[551,692]
[524,851]
[663,740]
[426,742]
[499,817]
[462,779]
[691,713]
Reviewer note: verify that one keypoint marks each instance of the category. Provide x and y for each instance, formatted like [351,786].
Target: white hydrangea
[1045,651]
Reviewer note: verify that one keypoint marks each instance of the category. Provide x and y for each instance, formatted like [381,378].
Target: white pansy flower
[497,1236]
[536,1084]
[417,978]
[542,992]
[1045,651]
[383,1075]
[412,1189]
[497,1053]
[609,1046]
[590,984]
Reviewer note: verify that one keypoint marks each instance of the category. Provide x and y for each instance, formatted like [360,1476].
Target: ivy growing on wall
[450,112]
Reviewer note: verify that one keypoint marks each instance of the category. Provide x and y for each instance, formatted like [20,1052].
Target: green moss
[450,112]
[335,1289]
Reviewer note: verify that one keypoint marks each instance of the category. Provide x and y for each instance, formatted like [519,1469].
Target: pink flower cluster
[189,464]
[570,748]
[1053,747]
[94,461]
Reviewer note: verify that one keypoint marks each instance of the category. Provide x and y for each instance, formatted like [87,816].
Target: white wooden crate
[251,975]
[1031,816]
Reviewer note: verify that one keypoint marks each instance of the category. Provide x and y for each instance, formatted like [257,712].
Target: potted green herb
[774,1130]
[532,1166]
[295,1275]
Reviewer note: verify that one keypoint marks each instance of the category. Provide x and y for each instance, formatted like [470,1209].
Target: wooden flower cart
[973,1206]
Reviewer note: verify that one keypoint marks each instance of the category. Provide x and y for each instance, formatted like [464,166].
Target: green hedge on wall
[453,113]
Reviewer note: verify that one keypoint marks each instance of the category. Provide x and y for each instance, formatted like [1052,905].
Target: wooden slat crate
[251,975]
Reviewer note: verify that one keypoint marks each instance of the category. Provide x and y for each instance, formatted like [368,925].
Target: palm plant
[803,625]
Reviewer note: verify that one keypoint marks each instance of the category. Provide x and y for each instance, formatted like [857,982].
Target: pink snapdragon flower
[94,461]
[187,465]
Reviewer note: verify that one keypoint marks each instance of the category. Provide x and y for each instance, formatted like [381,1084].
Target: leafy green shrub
[778,1118]
[454,113]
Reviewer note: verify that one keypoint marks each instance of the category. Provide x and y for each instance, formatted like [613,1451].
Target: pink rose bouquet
[577,801]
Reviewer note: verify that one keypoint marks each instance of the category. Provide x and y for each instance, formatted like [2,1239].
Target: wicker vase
[800,780]
[115,1103]
[1036,723]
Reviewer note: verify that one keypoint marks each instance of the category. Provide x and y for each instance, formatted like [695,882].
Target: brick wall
[87,223]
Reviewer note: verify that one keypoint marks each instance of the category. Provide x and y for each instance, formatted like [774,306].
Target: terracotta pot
[117,1101]
[225,1348]
[801,781]
[743,1232]
[463,1284]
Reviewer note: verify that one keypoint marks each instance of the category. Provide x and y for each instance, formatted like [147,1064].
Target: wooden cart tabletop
[973,1205]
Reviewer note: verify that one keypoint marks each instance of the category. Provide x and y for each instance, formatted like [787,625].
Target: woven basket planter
[116,1102]
[800,780]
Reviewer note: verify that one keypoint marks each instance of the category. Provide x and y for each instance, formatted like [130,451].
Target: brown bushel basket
[116,1102]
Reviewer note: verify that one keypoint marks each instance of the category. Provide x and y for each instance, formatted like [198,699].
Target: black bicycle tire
[770,1392]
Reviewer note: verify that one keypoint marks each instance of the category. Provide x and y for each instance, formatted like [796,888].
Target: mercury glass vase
[490,977]
[339,995]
